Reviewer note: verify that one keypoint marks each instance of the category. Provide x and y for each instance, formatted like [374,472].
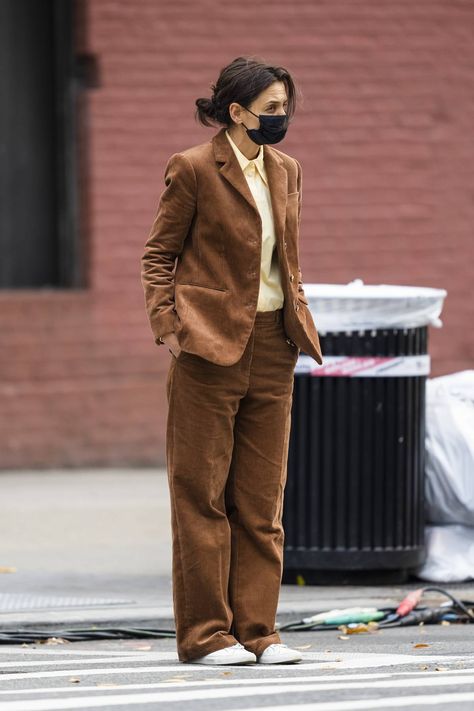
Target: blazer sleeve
[173,218]
[299,186]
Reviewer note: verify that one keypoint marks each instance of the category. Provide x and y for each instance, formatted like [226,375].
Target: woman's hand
[172,343]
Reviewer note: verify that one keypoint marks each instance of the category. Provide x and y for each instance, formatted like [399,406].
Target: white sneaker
[235,654]
[279,654]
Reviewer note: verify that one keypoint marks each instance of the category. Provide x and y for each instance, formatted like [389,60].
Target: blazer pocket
[203,286]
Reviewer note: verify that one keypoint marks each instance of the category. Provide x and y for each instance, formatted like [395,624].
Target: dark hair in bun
[242,81]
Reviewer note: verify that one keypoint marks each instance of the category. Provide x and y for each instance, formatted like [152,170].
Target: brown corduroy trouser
[227,443]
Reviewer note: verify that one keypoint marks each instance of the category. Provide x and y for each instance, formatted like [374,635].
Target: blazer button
[289,341]
[297,307]
[284,244]
[292,278]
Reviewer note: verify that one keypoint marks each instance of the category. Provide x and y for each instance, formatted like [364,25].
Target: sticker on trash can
[364,366]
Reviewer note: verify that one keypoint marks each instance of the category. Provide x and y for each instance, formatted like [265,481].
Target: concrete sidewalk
[93,547]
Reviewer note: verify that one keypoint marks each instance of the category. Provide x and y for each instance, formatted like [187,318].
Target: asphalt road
[71,539]
[383,669]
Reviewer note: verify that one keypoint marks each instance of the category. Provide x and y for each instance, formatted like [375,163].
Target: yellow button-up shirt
[270,296]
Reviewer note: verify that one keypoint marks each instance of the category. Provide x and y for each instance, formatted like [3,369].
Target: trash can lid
[357,306]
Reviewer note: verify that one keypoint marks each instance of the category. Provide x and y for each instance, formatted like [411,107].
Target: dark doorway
[38,216]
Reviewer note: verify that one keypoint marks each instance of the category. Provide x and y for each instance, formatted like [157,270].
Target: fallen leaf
[441,669]
[304,646]
[421,644]
[74,680]
[343,636]
[359,629]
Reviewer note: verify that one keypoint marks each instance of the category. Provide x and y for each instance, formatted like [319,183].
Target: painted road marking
[115,699]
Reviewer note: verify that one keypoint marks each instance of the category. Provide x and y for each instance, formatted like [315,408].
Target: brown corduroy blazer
[201,264]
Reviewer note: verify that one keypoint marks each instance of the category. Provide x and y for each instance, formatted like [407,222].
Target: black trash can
[354,498]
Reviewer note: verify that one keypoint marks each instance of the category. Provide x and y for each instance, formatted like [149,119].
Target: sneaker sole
[281,661]
[221,664]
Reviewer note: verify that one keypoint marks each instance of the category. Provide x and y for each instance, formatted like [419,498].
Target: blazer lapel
[276,175]
[278,183]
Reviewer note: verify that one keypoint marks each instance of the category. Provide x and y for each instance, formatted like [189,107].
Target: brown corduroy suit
[229,390]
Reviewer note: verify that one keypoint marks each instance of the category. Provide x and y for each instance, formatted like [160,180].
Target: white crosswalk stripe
[50,680]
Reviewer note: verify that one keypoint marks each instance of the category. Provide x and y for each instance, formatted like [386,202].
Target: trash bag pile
[449,479]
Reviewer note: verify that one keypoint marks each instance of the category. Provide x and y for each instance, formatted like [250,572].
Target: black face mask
[272,129]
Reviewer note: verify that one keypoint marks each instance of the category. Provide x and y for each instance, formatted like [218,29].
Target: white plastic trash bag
[449,449]
[449,554]
[357,306]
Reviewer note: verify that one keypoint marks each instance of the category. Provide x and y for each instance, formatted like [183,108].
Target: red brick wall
[384,135]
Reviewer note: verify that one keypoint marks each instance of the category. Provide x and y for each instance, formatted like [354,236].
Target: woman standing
[223,291]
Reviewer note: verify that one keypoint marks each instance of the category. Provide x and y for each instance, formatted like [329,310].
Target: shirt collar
[245,162]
